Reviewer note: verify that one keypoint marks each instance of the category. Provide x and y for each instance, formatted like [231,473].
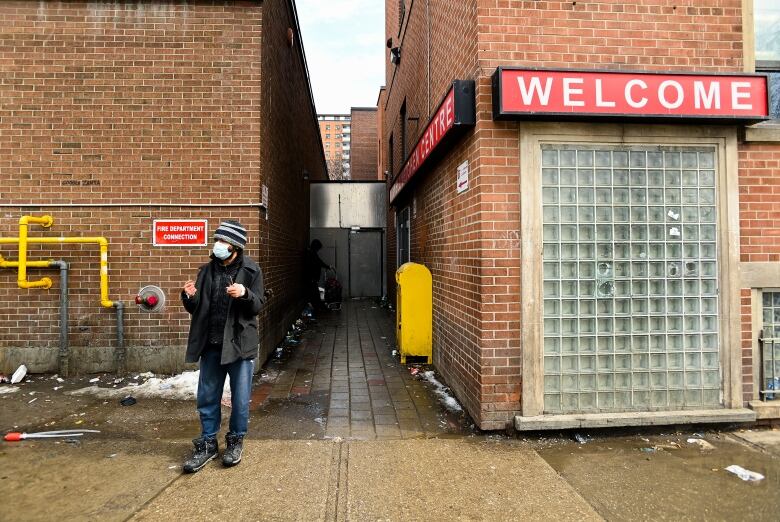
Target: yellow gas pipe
[30,264]
[45,221]
[45,282]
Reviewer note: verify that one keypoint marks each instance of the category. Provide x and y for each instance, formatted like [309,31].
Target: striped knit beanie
[231,231]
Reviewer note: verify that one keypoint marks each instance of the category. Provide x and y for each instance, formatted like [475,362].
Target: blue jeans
[210,385]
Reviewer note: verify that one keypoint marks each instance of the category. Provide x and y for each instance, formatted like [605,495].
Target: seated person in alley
[224,302]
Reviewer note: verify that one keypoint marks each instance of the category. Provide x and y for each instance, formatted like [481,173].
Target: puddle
[302,417]
[637,476]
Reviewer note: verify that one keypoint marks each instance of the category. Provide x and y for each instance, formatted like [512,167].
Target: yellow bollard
[414,311]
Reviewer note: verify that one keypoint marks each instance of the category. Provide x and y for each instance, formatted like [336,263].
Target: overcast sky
[344,45]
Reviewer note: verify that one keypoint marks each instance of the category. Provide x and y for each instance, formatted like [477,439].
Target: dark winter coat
[241,339]
[313,265]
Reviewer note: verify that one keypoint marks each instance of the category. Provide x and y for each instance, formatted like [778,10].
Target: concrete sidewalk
[431,479]
[377,480]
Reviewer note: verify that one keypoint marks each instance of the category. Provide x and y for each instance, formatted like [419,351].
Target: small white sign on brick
[463,177]
[265,200]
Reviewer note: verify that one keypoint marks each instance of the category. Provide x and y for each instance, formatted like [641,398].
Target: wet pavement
[341,430]
[344,381]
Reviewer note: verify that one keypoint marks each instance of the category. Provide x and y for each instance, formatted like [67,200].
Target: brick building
[336,134]
[596,192]
[363,158]
[116,114]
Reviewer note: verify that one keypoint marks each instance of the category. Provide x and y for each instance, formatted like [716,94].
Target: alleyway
[340,430]
[344,381]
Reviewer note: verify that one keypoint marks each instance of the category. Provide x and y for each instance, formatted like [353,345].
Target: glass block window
[767,30]
[771,345]
[629,279]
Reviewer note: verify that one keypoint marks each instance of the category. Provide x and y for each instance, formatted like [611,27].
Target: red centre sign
[180,232]
[567,94]
[455,111]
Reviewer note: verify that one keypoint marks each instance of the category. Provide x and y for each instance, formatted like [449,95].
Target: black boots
[205,450]
[235,445]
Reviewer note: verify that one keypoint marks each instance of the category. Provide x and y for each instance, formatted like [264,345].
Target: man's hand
[236,290]
[189,288]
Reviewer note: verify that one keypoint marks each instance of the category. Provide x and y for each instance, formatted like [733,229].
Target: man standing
[224,302]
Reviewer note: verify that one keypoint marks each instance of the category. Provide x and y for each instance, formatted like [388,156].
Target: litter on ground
[703,444]
[128,401]
[745,474]
[19,374]
[8,389]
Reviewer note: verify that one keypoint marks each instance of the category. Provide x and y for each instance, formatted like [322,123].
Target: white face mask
[221,251]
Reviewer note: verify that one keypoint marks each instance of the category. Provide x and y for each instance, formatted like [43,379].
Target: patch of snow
[443,392]
[179,387]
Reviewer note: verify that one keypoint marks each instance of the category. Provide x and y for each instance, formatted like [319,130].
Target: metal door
[365,263]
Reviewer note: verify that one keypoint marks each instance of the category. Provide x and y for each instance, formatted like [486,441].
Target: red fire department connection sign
[566,94]
[180,232]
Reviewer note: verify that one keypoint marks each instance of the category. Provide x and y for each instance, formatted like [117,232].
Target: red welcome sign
[545,93]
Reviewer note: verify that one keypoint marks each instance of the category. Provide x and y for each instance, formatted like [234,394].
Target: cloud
[344,44]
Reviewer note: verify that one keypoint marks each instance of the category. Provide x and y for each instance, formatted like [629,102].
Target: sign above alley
[567,94]
[456,112]
[180,232]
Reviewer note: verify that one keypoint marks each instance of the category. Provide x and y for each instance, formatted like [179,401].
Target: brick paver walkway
[346,365]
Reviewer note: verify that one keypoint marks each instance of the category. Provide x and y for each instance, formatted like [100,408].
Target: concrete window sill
[767,132]
[650,418]
[766,410]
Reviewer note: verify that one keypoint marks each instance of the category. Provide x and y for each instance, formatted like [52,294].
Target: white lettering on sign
[568,91]
[536,86]
[439,126]
[180,232]
[738,93]
[600,102]
[629,97]
[706,99]
[662,94]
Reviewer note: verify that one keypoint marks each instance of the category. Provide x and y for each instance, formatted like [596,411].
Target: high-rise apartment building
[336,130]
[362,163]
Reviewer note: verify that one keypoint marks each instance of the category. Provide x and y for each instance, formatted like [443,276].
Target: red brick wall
[759,202]
[114,115]
[290,144]
[363,144]
[655,35]
[444,228]
[759,230]
[646,35]
[471,241]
